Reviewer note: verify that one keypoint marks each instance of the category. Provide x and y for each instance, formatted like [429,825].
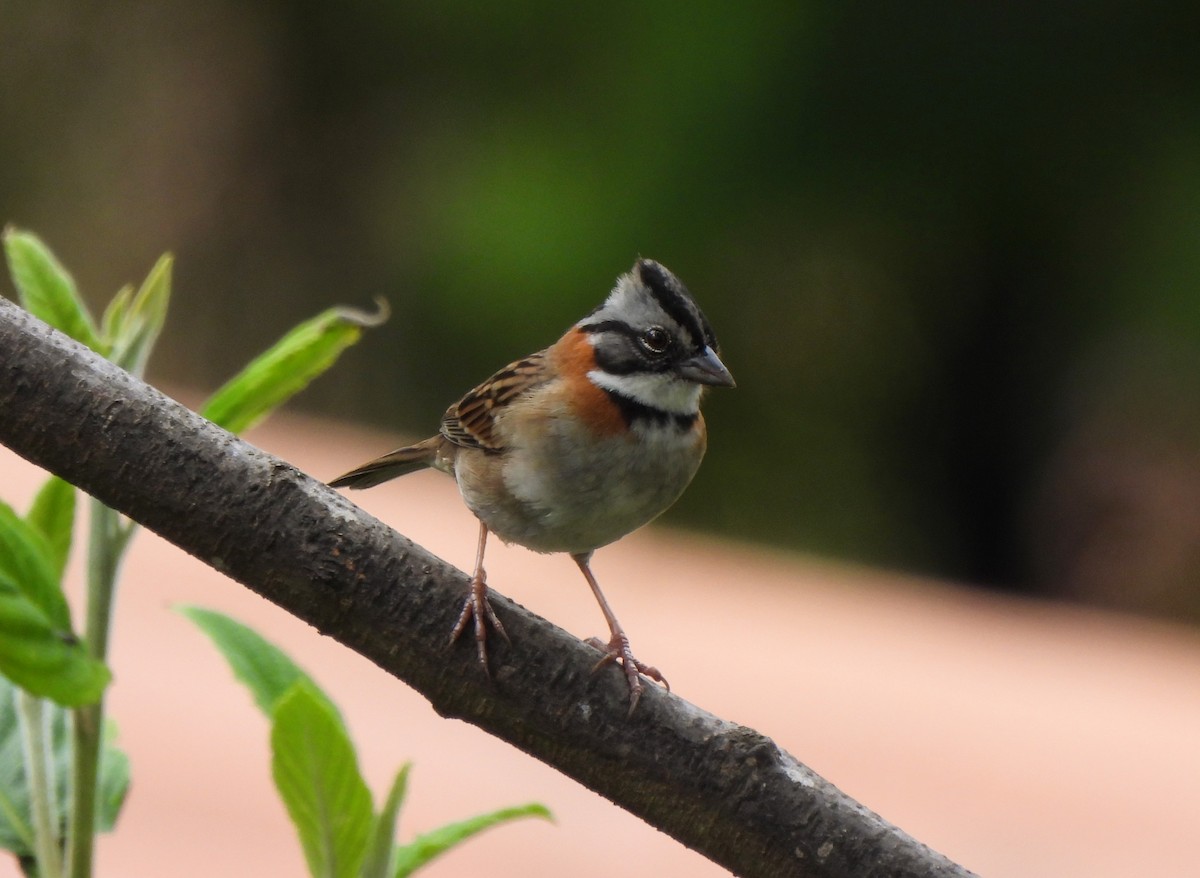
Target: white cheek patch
[664,392]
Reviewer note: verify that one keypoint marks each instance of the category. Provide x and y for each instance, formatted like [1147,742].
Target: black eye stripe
[628,358]
[624,329]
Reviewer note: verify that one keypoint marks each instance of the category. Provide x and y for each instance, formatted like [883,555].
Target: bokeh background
[951,250]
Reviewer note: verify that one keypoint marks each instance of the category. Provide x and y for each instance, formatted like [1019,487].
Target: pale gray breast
[565,492]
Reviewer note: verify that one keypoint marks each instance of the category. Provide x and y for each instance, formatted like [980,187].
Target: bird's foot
[617,650]
[477,611]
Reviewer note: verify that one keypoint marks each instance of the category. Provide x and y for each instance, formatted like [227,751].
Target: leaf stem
[106,543]
[39,769]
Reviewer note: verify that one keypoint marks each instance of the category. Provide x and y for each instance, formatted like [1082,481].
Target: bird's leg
[617,648]
[477,608]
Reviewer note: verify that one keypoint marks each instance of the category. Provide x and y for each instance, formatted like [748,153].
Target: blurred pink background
[1020,738]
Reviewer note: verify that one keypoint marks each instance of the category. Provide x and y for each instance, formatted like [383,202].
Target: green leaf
[142,319]
[16,833]
[264,668]
[112,322]
[431,845]
[46,289]
[383,833]
[40,657]
[53,516]
[28,560]
[37,649]
[316,772]
[293,362]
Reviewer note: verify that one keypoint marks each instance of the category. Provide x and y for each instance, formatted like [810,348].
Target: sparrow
[571,448]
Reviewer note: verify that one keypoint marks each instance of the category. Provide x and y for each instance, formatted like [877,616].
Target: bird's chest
[569,489]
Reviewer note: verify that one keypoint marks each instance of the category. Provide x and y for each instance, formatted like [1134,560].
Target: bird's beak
[706,368]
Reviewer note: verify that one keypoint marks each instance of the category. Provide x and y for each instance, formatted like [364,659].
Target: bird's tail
[400,462]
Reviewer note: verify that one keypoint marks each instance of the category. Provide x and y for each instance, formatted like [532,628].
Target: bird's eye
[656,340]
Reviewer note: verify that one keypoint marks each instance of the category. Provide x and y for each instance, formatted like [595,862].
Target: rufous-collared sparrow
[573,447]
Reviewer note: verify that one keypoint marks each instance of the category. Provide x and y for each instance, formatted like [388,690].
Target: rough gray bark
[719,788]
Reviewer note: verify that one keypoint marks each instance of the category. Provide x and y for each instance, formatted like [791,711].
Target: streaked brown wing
[470,422]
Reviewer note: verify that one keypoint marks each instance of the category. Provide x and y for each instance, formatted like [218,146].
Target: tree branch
[719,788]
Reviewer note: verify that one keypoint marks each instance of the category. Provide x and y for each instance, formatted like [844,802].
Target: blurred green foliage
[950,249]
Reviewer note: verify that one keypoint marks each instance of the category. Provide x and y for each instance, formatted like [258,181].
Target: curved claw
[617,650]
[477,609]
